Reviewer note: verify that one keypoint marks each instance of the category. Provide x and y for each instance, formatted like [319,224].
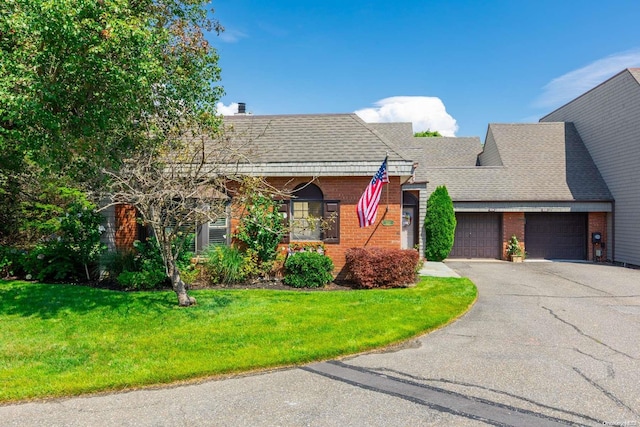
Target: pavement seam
[473,403]
[581,332]
[606,392]
[515,396]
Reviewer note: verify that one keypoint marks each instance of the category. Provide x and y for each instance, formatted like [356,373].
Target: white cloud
[573,84]
[425,112]
[232,36]
[227,110]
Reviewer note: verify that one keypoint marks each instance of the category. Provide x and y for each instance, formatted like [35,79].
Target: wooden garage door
[477,236]
[556,236]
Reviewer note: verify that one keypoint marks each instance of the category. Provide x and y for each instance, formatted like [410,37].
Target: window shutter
[286,212]
[331,214]
[218,231]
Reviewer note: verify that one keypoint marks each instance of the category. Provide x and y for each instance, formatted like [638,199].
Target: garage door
[556,236]
[477,236]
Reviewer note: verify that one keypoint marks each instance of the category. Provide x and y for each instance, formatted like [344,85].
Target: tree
[187,180]
[428,134]
[439,225]
[77,77]
[119,95]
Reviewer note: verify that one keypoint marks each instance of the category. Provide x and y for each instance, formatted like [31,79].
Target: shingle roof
[542,161]
[311,138]
[438,152]
[635,72]
[399,133]
[528,162]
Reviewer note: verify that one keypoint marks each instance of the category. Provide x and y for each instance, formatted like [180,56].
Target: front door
[408,227]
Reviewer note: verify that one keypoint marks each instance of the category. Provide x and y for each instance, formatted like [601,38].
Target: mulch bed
[275,285]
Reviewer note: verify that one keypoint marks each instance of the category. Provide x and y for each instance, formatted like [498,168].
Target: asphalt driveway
[546,344]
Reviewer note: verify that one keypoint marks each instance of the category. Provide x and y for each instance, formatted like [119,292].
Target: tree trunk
[184,300]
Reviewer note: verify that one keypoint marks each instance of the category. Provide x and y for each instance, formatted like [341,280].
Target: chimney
[242,108]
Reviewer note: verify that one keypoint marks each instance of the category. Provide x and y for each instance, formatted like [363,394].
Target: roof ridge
[380,136]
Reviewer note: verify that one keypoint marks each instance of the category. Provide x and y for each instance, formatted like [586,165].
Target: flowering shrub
[377,267]
[71,248]
[318,247]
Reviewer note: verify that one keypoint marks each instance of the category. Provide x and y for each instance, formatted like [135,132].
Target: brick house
[552,184]
[327,161]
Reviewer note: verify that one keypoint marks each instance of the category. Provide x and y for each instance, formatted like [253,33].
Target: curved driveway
[546,344]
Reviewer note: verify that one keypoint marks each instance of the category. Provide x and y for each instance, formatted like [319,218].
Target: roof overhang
[534,206]
[396,168]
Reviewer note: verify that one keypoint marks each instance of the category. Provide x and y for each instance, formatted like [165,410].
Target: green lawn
[60,340]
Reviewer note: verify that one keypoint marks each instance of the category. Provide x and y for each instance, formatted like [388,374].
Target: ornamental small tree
[439,225]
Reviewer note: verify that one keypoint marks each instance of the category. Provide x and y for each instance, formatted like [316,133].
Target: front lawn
[60,340]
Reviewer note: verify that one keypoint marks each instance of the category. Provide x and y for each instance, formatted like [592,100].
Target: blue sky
[453,66]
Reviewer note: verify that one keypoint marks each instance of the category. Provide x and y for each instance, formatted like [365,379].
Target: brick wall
[512,223]
[597,222]
[126,226]
[348,191]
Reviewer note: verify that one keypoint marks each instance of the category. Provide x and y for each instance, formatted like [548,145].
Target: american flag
[368,204]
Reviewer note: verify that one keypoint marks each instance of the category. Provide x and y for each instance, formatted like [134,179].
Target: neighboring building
[535,181]
[608,119]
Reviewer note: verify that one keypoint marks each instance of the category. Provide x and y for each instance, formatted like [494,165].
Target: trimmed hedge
[378,267]
[308,270]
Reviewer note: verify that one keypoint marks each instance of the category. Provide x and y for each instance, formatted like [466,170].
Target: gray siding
[490,156]
[608,120]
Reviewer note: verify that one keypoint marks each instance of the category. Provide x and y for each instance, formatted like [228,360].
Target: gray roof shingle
[310,138]
[542,162]
[521,162]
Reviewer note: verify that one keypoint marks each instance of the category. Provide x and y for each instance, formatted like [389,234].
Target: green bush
[308,270]
[142,280]
[261,228]
[226,264]
[11,261]
[71,248]
[439,225]
[115,262]
[143,268]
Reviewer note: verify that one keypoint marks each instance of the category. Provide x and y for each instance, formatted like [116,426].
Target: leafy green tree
[439,225]
[428,134]
[103,91]
[80,78]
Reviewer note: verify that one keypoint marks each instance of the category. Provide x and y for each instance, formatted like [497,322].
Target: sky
[449,65]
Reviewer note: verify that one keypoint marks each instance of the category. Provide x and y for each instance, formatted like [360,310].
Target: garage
[556,235]
[477,236]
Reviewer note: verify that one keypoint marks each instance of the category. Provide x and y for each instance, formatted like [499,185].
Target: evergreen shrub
[308,270]
[439,225]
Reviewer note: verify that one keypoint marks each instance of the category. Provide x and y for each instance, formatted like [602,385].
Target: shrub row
[378,267]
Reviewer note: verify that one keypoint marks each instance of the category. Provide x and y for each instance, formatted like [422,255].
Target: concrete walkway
[437,269]
[545,344]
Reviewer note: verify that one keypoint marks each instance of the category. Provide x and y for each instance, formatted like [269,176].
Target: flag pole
[386,159]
